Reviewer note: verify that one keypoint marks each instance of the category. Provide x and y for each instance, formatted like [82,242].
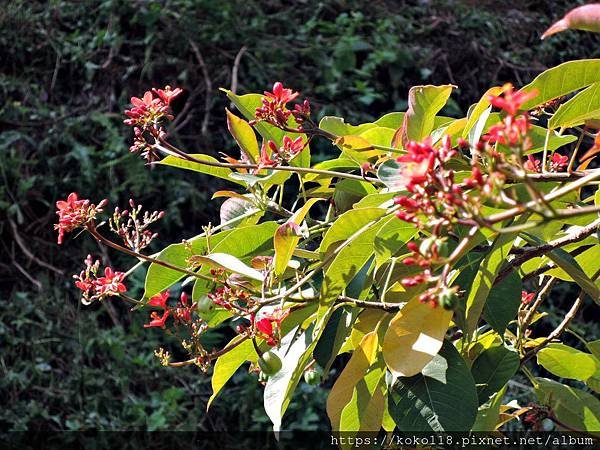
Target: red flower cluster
[527,297]
[145,116]
[434,193]
[226,297]
[74,213]
[98,288]
[181,313]
[288,151]
[511,101]
[269,326]
[557,163]
[274,108]
[512,131]
[149,110]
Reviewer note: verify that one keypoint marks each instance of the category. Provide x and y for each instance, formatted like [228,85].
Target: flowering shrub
[425,249]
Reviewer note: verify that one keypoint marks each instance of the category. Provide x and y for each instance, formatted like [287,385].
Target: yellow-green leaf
[415,335]
[244,135]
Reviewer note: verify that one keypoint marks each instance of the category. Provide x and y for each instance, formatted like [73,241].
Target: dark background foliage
[68,70]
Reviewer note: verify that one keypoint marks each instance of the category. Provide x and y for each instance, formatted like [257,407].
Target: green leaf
[424,102]
[351,256]
[347,224]
[562,80]
[477,111]
[334,335]
[244,135]
[391,238]
[341,393]
[538,140]
[442,398]
[338,126]
[242,243]
[492,369]
[280,386]
[567,362]
[391,120]
[570,265]
[503,302]
[484,279]
[159,278]
[378,136]
[226,365]
[285,240]
[572,406]
[236,207]
[390,175]
[488,415]
[219,172]
[594,348]
[230,263]
[247,105]
[364,411]
[585,105]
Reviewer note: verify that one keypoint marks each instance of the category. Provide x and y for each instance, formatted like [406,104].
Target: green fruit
[312,377]
[269,363]
[448,300]
[205,305]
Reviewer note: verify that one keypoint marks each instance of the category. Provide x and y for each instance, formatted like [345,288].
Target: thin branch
[235,69]
[174,151]
[540,250]
[208,85]
[28,252]
[555,334]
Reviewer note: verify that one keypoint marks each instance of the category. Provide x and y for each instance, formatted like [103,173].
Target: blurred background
[68,69]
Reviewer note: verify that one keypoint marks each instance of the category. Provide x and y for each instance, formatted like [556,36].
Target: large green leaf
[478,110]
[349,223]
[278,390]
[488,415]
[242,243]
[424,102]
[351,256]
[333,337]
[227,364]
[567,362]
[562,80]
[286,239]
[392,237]
[442,398]
[492,369]
[219,172]
[585,105]
[503,302]
[244,135]
[159,278]
[339,127]
[390,175]
[485,277]
[573,407]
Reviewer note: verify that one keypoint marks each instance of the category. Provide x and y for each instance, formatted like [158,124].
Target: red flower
[511,101]
[532,164]
[558,162]
[167,94]
[281,95]
[527,297]
[157,320]
[73,213]
[269,326]
[160,300]
[418,163]
[111,283]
